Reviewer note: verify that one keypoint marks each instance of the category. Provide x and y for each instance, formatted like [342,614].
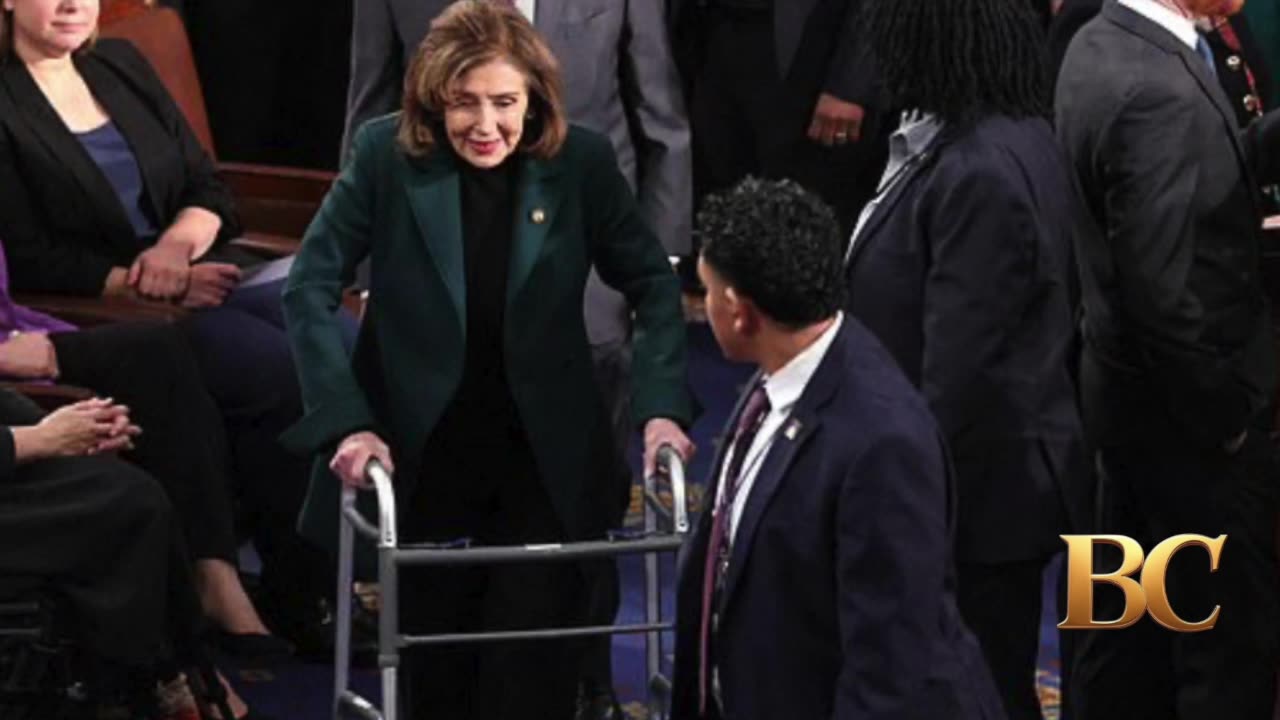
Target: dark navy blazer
[964,272]
[839,600]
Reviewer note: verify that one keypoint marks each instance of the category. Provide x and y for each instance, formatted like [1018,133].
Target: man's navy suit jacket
[839,599]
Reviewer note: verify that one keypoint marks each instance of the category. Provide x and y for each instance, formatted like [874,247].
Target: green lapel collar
[538,198]
[436,201]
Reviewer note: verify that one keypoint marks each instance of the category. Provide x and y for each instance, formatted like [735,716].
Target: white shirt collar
[915,131]
[1182,28]
[785,386]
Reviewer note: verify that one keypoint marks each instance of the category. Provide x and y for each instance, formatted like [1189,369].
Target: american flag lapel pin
[793,429]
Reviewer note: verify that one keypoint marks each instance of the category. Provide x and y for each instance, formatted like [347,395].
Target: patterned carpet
[302,691]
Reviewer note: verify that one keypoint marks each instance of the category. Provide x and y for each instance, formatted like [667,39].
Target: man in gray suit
[1177,379]
[619,80]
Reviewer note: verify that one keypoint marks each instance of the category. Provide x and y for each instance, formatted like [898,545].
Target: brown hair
[470,33]
[7,50]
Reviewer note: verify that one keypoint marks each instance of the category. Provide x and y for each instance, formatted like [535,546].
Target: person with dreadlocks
[961,265]
[1178,370]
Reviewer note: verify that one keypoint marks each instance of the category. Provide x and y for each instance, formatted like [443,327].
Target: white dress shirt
[783,389]
[527,8]
[1183,28]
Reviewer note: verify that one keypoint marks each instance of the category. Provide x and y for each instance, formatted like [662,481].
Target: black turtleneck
[483,404]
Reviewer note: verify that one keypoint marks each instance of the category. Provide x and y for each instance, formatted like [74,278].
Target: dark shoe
[597,703]
[252,648]
[312,627]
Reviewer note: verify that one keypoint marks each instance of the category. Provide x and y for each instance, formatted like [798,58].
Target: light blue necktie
[1206,52]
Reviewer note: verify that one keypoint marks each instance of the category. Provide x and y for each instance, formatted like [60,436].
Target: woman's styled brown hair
[470,33]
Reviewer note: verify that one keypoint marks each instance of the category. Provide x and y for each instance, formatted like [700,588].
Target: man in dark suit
[1178,366]
[820,585]
[785,89]
[619,80]
[1240,63]
[962,267]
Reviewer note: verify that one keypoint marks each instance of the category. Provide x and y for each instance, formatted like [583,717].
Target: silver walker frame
[391,555]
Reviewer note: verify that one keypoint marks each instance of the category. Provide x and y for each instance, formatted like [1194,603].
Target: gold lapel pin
[792,430]
[538,216]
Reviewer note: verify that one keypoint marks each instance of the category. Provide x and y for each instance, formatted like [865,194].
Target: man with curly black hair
[962,267]
[820,584]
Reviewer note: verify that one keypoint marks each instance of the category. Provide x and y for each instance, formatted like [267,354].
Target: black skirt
[101,534]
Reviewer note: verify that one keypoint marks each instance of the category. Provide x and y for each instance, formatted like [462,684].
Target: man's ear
[744,313]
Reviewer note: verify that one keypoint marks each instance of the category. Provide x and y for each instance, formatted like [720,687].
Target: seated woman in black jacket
[107,192]
[99,533]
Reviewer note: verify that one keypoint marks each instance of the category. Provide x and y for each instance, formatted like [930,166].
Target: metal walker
[391,555]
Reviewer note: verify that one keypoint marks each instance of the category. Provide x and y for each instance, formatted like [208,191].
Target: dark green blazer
[572,211]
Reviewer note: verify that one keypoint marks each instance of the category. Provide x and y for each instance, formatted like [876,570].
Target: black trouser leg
[1153,490]
[246,364]
[492,494]
[101,532]
[1001,605]
[151,369]
[747,119]
[735,85]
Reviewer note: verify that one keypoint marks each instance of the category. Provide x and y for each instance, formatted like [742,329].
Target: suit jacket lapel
[538,198]
[884,209]
[45,123]
[137,128]
[436,200]
[805,419]
[1199,69]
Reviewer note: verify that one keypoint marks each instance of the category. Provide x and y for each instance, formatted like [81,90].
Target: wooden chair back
[161,37]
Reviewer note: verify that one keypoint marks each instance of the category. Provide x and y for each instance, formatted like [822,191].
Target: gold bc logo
[1147,594]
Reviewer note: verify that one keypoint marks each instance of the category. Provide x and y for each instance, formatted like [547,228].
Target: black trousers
[487,488]
[211,448]
[245,363]
[748,120]
[151,369]
[1153,488]
[101,533]
[1001,604]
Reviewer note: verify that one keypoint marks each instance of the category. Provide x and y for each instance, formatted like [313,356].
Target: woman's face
[51,28]
[485,116]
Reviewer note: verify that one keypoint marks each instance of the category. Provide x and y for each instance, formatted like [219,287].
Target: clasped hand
[89,427]
[162,272]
